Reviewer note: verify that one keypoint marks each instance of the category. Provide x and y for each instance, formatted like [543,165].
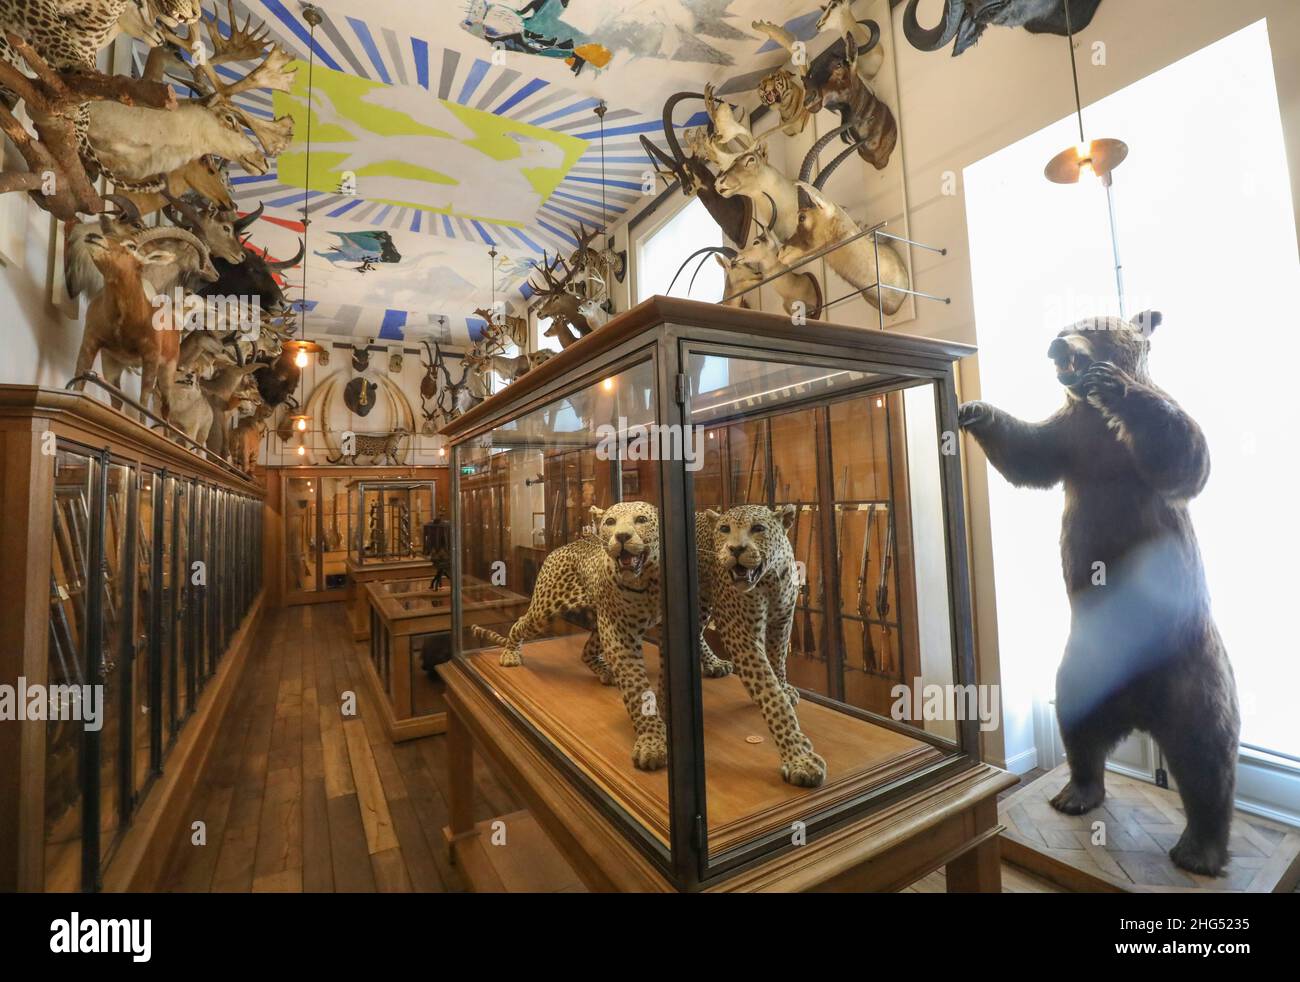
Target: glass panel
[334,540]
[301,563]
[116,652]
[198,591]
[145,604]
[167,559]
[527,533]
[722,386]
[181,626]
[388,519]
[848,487]
[67,666]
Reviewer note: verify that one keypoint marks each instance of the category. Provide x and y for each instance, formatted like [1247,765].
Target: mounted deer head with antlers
[568,321]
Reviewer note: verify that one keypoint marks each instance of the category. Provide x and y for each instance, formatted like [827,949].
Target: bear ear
[1147,322]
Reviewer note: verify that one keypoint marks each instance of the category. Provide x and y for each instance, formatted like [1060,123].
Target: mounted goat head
[965,20]
[220,231]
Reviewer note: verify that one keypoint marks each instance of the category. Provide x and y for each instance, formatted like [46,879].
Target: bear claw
[1206,859]
[1073,800]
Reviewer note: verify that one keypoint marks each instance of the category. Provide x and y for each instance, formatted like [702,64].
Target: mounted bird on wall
[964,21]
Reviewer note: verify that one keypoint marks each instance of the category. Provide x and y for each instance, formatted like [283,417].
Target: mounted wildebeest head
[254,278]
[277,378]
[965,20]
[834,82]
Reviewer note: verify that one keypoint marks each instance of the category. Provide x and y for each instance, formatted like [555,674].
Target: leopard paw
[650,752]
[792,694]
[807,770]
[511,657]
[716,668]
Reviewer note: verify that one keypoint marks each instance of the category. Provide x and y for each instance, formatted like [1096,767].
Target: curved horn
[874,30]
[241,224]
[810,159]
[772,222]
[188,213]
[670,135]
[938,36]
[171,232]
[836,161]
[727,251]
[125,207]
[282,264]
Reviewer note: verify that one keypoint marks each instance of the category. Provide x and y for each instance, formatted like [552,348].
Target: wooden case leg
[460,767]
[979,869]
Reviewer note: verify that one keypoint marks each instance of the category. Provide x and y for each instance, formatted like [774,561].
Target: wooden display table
[406,619]
[952,822]
[358,604]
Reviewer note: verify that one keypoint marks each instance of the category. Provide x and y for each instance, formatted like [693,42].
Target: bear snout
[1071,358]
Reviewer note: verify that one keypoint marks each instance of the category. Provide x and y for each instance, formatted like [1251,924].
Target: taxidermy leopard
[378,447]
[615,574]
[749,586]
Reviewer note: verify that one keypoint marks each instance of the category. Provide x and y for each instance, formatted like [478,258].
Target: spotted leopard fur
[749,587]
[615,574]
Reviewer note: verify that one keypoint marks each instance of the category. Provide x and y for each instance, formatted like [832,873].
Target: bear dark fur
[1143,651]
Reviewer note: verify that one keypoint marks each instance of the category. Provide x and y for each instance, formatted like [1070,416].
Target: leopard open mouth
[748,575]
[634,563]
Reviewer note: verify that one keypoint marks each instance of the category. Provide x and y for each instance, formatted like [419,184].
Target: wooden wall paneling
[26,530]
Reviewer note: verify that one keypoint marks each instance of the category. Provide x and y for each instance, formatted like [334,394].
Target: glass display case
[387,521]
[410,636]
[151,573]
[740,559]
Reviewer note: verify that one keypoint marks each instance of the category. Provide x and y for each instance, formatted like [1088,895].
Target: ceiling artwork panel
[441,130]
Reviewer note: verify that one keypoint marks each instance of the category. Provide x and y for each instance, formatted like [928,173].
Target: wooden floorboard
[299,797]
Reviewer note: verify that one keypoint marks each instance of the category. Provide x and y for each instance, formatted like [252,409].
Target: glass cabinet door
[167,632]
[145,611]
[70,583]
[115,738]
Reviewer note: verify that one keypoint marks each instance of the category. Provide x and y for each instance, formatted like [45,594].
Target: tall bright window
[1207,236]
[661,253]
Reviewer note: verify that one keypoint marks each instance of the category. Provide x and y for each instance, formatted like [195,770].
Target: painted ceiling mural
[441,129]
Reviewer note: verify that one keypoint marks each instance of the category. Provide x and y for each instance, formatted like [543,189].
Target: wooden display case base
[1142,822]
[358,604]
[398,730]
[951,822]
[511,854]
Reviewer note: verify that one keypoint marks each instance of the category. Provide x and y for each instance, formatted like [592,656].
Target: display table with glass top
[735,493]
[410,635]
[386,520]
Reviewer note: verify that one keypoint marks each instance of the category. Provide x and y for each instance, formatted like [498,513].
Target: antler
[245,41]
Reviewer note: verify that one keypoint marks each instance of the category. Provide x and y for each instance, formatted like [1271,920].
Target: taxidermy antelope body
[799,291]
[822,223]
[120,321]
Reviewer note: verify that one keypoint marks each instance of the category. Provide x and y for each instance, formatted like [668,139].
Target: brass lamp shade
[1103,156]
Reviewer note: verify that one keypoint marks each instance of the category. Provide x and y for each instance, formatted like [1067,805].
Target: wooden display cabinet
[410,634]
[842,423]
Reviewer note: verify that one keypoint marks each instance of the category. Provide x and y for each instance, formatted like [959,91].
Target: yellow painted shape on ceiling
[347,94]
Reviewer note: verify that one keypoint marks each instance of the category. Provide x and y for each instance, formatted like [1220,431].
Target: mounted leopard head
[751,541]
[629,533]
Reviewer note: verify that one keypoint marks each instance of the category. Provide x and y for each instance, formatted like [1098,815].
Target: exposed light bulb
[442,451]
[302,426]
[300,359]
[607,385]
[302,451]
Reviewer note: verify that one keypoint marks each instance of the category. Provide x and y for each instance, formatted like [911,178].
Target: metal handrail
[875,231]
[194,446]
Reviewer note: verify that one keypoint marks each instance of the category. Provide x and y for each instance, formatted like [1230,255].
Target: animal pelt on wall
[1143,651]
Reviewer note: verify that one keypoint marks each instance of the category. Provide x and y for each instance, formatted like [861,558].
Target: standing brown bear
[1143,651]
